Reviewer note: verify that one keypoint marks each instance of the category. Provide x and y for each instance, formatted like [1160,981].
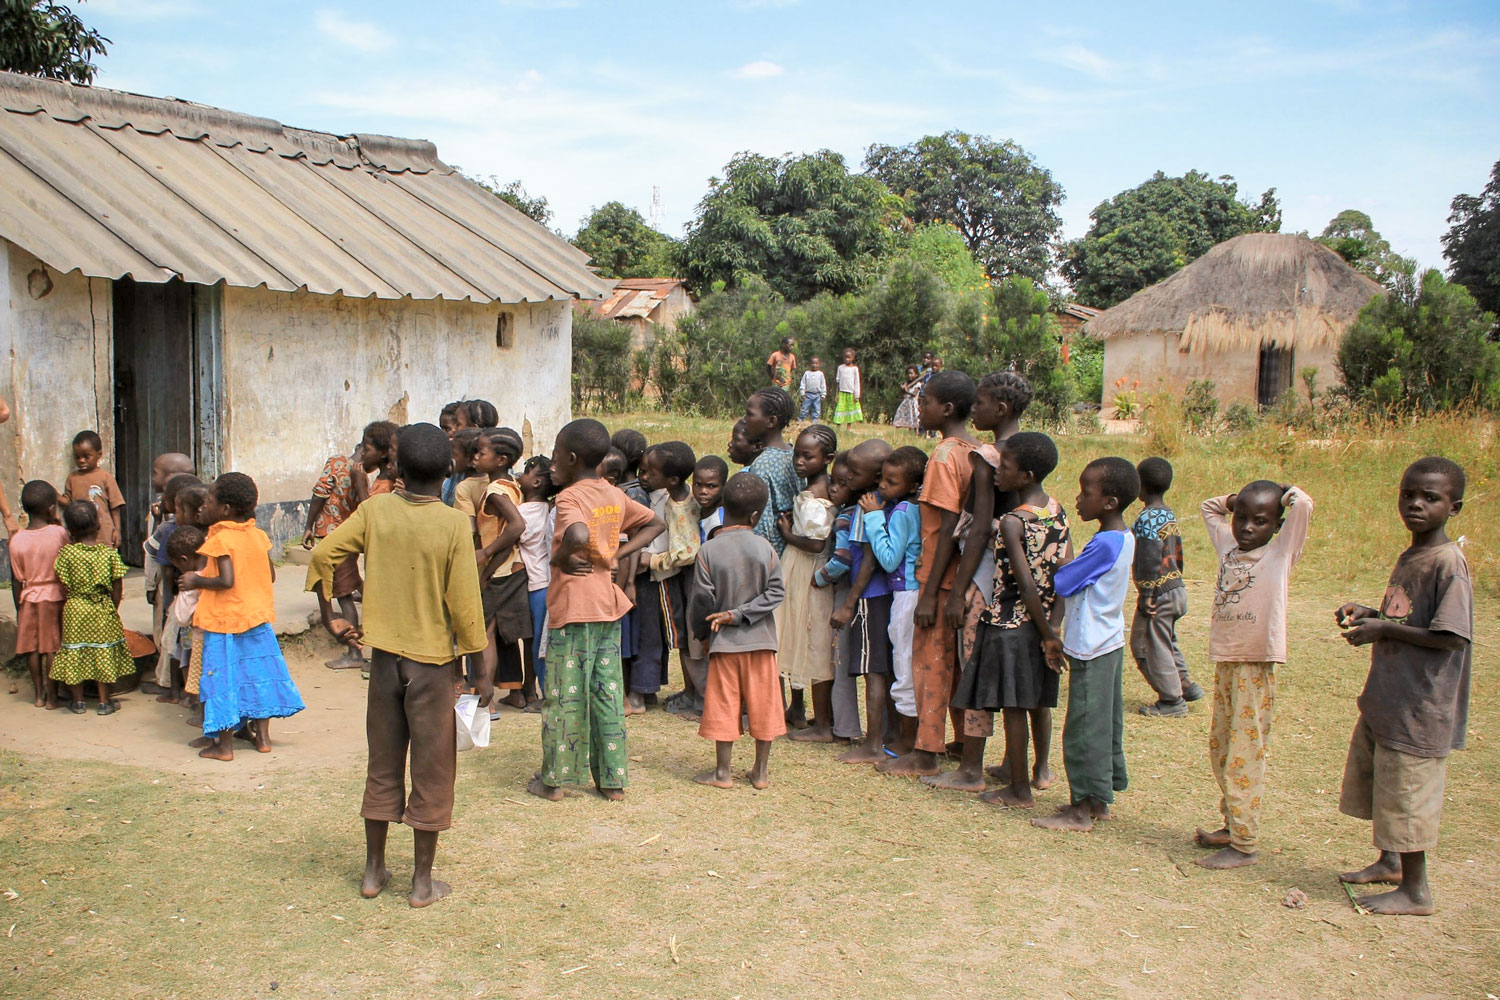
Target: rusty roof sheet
[634,298]
[113,184]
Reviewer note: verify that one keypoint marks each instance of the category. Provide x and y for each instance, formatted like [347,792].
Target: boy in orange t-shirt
[584,718]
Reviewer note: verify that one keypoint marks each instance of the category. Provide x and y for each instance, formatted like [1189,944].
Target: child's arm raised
[640,536]
[1297,510]
[572,556]
[1217,512]
[844,613]
[1031,598]
[1367,630]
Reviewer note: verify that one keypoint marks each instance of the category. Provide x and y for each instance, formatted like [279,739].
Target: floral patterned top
[336,487]
[1044,535]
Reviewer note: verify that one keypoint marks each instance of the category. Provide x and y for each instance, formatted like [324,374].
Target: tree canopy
[47,39]
[623,246]
[1472,243]
[1352,236]
[514,194]
[940,248]
[993,193]
[1010,326]
[804,223]
[1142,235]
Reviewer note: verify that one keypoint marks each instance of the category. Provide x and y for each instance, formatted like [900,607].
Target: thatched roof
[1261,287]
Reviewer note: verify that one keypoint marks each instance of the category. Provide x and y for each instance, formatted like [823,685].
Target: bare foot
[712,779]
[1402,902]
[168,699]
[1211,838]
[635,704]
[201,742]
[374,880]
[536,786]
[40,702]
[955,781]
[1007,798]
[1076,817]
[863,754]
[51,705]
[1041,777]
[216,752]
[908,766]
[998,771]
[812,734]
[349,661]
[435,891]
[515,700]
[1100,810]
[612,794]
[1381,871]
[262,743]
[1228,857]
[759,782]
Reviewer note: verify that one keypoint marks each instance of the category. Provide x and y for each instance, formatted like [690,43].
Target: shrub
[1086,366]
[1240,417]
[601,363]
[1010,326]
[1200,405]
[1165,424]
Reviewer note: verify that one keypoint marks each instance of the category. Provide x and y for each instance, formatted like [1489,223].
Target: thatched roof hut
[1248,314]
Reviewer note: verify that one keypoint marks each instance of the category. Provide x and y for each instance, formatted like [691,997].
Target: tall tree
[1472,243]
[622,245]
[994,193]
[804,223]
[1142,235]
[1010,326]
[514,194]
[47,39]
[1352,236]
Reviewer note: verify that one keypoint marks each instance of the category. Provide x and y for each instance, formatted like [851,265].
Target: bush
[1240,417]
[1086,366]
[1165,424]
[601,363]
[716,357]
[1010,326]
[1200,405]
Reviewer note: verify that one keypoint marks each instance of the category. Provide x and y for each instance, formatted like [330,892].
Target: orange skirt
[750,679]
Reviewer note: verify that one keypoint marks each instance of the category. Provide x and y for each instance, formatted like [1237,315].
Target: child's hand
[842,617]
[784,523]
[1365,631]
[955,611]
[1351,613]
[189,581]
[1147,606]
[579,564]
[926,614]
[1053,651]
[869,502]
[485,688]
[309,539]
[719,619]
[345,632]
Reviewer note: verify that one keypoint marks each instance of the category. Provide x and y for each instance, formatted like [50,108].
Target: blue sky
[1391,108]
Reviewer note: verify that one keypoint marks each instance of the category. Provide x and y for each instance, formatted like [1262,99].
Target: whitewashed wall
[1155,361]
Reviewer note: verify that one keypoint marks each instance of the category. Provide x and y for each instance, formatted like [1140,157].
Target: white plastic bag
[473,723]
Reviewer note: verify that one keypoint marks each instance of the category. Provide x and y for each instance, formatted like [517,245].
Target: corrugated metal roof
[114,184]
[636,297]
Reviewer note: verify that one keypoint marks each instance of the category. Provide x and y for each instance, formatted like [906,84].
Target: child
[841,723]
[741,450]
[709,476]
[503,582]
[333,500]
[244,678]
[465,446]
[846,377]
[1258,534]
[736,587]
[1414,710]
[1094,587]
[36,589]
[97,486]
[911,390]
[999,401]
[423,613]
[93,640]
[178,635]
[946,401]
[583,721]
[661,592]
[894,530]
[536,552]
[1161,597]
[163,469]
[806,633]
[448,419]
[813,388]
[377,461]
[631,445]
[480,413]
[1017,655]
[766,416]
[782,364]
[167,676]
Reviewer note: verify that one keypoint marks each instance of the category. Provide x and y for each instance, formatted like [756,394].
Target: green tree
[1142,235]
[1424,345]
[804,223]
[514,194]
[1352,236]
[993,193]
[940,248]
[47,39]
[601,362]
[1472,243]
[622,245]
[1010,326]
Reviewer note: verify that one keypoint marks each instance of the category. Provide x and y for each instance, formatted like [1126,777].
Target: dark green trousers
[1094,733]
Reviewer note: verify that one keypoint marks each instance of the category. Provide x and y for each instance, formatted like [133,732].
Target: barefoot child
[423,614]
[1258,533]
[35,588]
[1161,596]
[661,591]
[1414,710]
[1018,657]
[583,721]
[244,678]
[165,591]
[93,640]
[333,500]
[806,657]
[179,638]
[736,588]
[97,486]
[1094,587]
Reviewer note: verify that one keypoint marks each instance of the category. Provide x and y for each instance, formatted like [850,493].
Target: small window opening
[505,336]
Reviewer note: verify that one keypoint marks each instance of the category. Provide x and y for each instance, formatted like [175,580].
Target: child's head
[87,450]
[481,413]
[1026,460]
[81,518]
[848,356]
[377,445]
[232,497]
[190,500]
[1257,514]
[745,497]
[816,364]
[1432,490]
[709,476]
[814,449]
[937,363]
[947,398]
[839,493]
[901,473]
[864,461]
[1000,398]
[465,445]
[580,446]
[912,373]
[788,345]
[535,479]
[423,453]
[667,466]
[1156,476]
[39,501]
[174,486]
[448,419]
[767,412]
[1107,485]
[632,445]
[173,463]
[927,357]
[499,449]
[611,467]
[182,549]
[742,448]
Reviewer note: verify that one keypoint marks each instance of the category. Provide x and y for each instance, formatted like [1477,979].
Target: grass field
[133,881]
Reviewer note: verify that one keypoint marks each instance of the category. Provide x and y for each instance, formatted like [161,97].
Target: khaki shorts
[1401,793]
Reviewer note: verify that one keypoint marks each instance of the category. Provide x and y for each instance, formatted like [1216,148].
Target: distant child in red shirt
[34,586]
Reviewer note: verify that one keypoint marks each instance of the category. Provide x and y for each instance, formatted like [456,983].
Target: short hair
[826,437]
[186,540]
[744,494]
[481,412]
[632,445]
[952,387]
[775,403]
[713,462]
[236,492]
[612,462]
[38,497]
[423,453]
[504,440]
[1446,467]
[81,518]
[1118,479]
[192,495]
[872,449]
[467,441]
[586,438]
[382,434]
[911,460]
[176,483]
[90,438]
[1260,487]
[1156,475]
[1010,388]
[1035,453]
[676,458]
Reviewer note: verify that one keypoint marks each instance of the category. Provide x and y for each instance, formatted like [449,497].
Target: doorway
[1274,377]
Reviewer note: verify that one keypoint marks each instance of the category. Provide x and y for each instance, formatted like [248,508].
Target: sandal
[108,707]
[77,707]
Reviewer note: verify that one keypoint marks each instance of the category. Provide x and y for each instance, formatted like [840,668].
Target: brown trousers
[410,708]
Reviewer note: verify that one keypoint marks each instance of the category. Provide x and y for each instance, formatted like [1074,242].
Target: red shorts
[751,679]
[39,627]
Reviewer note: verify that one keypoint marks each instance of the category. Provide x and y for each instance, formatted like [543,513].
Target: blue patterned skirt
[245,677]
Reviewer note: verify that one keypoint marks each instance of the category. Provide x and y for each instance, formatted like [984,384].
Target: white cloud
[1083,60]
[760,69]
[362,36]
